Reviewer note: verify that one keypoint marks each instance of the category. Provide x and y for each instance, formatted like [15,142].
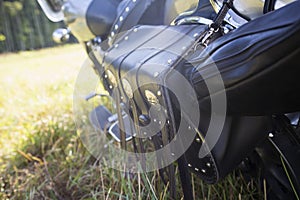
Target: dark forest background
[23,26]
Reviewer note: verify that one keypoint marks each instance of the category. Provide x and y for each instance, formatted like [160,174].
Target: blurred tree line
[23,26]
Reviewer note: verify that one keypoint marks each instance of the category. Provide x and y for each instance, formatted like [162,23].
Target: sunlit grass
[35,85]
[41,154]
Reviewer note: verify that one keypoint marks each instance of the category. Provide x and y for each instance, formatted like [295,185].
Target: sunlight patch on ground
[31,82]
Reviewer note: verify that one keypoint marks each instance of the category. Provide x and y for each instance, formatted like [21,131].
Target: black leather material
[140,60]
[100,16]
[239,137]
[142,46]
[259,66]
[259,63]
[131,13]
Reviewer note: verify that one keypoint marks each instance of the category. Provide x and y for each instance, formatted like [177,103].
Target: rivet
[183,48]
[271,135]
[190,128]
[154,120]
[116,27]
[189,165]
[105,76]
[126,38]
[158,93]
[156,74]
[161,146]
[196,169]
[173,154]
[116,45]
[122,97]
[170,61]
[110,87]
[168,121]
[145,133]
[196,35]
[135,30]
[151,98]
[198,139]
[133,1]
[208,164]
[106,54]
[144,120]
[112,34]
[127,9]
[150,138]
[159,122]
[203,170]
[121,18]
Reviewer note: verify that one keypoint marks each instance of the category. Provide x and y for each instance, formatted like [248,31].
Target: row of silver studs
[196,169]
[208,164]
[121,19]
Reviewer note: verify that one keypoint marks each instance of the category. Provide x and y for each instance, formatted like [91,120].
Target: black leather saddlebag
[165,68]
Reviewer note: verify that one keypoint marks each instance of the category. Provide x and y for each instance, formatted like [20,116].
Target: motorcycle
[211,85]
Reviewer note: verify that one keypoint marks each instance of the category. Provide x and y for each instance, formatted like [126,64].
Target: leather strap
[130,15]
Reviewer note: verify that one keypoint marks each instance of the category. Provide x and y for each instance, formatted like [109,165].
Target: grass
[41,154]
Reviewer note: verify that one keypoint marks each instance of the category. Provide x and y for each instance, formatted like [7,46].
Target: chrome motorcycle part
[52,12]
[151,98]
[75,12]
[216,26]
[246,10]
[93,94]
[61,35]
[194,20]
[99,118]
[114,129]
[107,123]
[175,7]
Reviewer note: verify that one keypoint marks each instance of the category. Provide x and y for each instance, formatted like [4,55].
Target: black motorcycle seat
[259,64]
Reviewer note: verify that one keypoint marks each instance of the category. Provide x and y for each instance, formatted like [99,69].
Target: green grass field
[41,154]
